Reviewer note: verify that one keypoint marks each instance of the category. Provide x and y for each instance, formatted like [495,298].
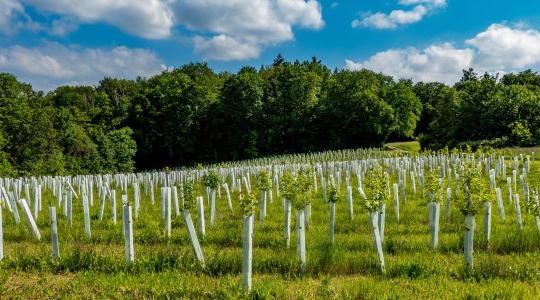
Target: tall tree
[237,116]
[355,113]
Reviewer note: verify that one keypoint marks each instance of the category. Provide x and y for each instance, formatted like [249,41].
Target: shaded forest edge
[192,114]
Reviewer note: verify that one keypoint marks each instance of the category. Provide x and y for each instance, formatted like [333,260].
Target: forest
[192,114]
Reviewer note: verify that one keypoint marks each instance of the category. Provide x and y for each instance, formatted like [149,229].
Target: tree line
[192,114]
[480,111]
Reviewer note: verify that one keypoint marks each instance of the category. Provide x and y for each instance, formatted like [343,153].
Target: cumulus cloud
[392,20]
[435,63]
[399,17]
[223,47]
[225,30]
[499,48]
[306,14]
[505,47]
[249,24]
[52,64]
[145,18]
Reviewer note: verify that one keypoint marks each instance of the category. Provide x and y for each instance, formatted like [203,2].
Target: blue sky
[49,43]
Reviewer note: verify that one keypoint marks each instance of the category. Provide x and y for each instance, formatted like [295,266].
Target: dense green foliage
[193,114]
[473,197]
[481,111]
[70,130]
[377,188]
[435,190]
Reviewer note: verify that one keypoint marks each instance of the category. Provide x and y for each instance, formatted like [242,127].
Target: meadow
[505,267]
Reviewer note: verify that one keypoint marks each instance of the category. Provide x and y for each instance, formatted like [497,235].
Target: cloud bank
[500,48]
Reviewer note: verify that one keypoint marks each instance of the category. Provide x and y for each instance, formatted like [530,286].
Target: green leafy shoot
[533,206]
[434,188]
[333,194]
[471,200]
[263,180]
[297,189]
[376,189]
[286,186]
[189,197]
[211,180]
[248,202]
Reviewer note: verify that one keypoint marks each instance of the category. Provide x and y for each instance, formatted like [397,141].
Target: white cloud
[13,18]
[52,64]
[223,47]
[435,63]
[251,24]
[393,20]
[399,17]
[306,14]
[499,48]
[63,26]
[145,18]
[502,47]
[8,9]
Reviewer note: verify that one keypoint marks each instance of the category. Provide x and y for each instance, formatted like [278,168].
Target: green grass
[522,150]
[506,268]
[412,146]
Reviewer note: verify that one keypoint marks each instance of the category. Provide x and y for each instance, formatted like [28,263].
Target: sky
[48,43]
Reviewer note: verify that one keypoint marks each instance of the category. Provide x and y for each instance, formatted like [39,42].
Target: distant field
[523,150]
[412,146]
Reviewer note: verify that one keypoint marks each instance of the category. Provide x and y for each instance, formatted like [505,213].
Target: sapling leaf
[263,180]
[472,199]
[248,202]
[211,180]
[333,195]
[189,197]
[435,190]
[533,206]
[376,189]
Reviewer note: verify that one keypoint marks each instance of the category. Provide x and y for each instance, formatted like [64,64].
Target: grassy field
[506,268]
[412,146]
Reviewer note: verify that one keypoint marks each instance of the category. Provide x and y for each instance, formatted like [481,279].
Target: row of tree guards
[368,178]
